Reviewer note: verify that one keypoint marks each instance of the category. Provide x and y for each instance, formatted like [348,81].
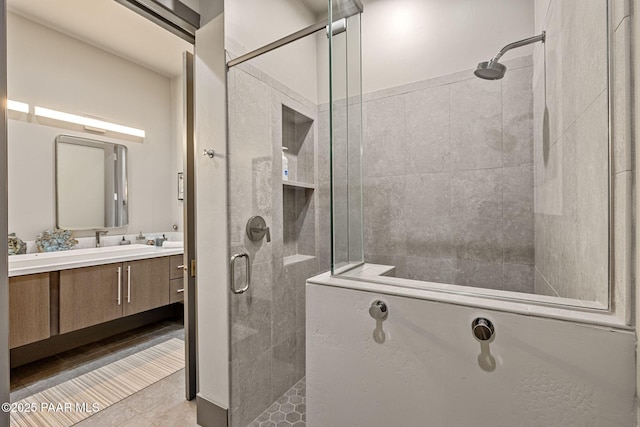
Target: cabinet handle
[180,267]
[128,284]
[119,285]
[180,290]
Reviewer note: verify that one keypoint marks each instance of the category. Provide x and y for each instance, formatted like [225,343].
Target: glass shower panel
[345,138]
[498,179]
[270,109]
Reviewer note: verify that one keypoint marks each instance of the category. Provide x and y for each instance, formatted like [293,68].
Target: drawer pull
[180,290]
[128,284]
[119,285]
[181,267]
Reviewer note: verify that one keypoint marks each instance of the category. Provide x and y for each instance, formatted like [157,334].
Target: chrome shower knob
[378,310]
[482,329]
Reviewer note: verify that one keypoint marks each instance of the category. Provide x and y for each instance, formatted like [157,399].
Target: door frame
[190,307]
[4,211]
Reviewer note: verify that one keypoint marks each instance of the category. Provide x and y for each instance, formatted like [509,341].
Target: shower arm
[520,43]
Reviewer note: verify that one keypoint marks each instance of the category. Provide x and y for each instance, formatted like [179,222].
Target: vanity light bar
[20,107]
[88,122]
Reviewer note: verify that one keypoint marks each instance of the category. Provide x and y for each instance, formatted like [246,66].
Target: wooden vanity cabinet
[176,282]
[89,296]
[28,309]
[146,285]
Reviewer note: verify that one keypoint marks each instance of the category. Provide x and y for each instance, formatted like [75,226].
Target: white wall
[251,24]
[211,213]
[430,370]
[405,41]
[49,69]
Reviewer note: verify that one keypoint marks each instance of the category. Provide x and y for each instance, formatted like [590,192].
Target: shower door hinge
[193,268]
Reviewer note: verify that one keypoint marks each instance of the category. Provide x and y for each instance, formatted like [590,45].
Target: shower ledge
[513,302]
[293,259]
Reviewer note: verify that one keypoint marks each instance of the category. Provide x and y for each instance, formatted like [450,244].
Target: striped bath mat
[72,401]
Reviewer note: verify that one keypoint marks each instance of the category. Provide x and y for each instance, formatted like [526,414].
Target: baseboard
[210,414]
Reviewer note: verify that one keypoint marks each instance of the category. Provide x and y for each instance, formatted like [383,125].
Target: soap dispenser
[125,241]
[140,239]
[285,165]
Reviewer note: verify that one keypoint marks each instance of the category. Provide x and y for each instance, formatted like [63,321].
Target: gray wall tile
[518,278]
[517,117]
[486,275]
[476,124]
[384,228]
[477,193]
[622,92]
[517,195]
[477,239]
[518,246]
[427,144]
[593,201]
[385,137]
[430,269]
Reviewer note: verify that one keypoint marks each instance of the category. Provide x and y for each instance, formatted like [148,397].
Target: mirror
[91,184]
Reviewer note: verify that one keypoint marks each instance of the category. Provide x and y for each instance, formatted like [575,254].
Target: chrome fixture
[98,234]
[493,70]
[482,329]
[232,278]
[257,228]
[119,285]
[345,9]
[378,310]
[338,27]
[209,152]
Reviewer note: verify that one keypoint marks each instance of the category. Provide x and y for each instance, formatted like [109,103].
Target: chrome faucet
[98,234]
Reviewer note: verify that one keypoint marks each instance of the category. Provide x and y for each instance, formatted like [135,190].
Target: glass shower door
[345,117]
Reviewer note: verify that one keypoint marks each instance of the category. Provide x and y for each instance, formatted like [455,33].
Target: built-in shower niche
[298,205]
[299,229]
[297,138]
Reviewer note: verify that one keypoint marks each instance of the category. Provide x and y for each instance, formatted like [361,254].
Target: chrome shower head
[493,70]
[490,70]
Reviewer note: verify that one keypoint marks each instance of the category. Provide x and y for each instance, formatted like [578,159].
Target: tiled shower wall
[268,321]
[571,141]
[448,179]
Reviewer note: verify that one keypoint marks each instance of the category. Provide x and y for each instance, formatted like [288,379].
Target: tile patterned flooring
[289,410]
[161,404]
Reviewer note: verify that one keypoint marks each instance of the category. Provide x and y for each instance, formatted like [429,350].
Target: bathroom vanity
[52,294]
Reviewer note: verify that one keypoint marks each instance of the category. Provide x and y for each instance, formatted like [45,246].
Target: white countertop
[20,265]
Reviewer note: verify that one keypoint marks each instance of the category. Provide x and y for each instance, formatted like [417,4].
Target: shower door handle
[232,274]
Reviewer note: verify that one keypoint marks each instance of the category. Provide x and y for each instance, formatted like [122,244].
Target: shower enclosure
[500,186]
[403,163]
[502,207]
[280,225]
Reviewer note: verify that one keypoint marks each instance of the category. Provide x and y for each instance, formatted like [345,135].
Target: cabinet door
[89,296]
[28,309]
[176,269]
[147,285]
[176,290]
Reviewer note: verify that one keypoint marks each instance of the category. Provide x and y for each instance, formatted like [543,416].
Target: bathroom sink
[75,258]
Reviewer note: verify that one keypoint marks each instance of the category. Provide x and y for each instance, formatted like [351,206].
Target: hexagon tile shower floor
[288,411]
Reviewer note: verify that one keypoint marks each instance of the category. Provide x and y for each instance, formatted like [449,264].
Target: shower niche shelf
[294,184]
[298,201]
